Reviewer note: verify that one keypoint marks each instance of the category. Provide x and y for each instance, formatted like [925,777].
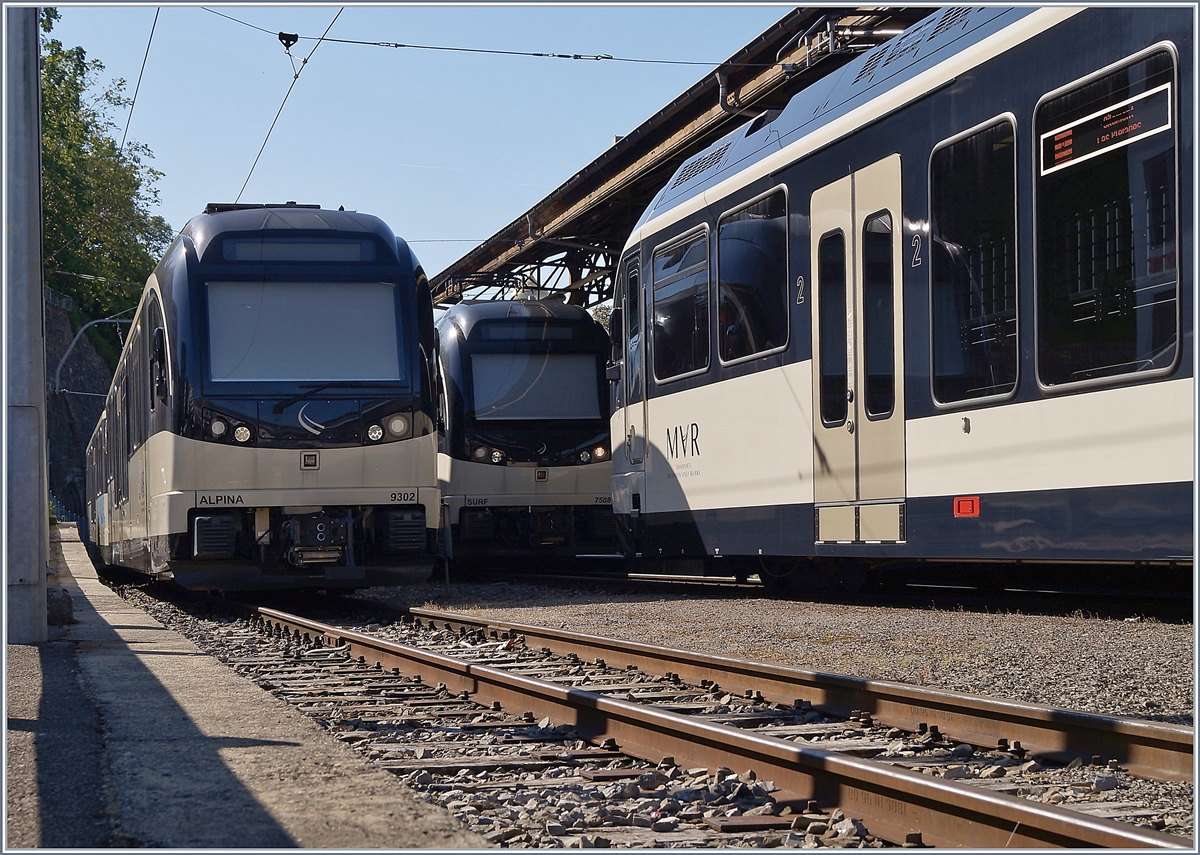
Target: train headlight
[600,453]
[497,456]
[375,433]
[242,433]
[218,428]
[398,425]
[480,453]
[585,456]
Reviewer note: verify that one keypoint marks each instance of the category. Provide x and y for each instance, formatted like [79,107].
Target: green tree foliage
[603,314]
[99,240]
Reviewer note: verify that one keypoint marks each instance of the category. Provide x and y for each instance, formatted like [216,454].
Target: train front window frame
[531,384]
[974,306]
[679,290]
[753,319]
[1107,269]
[303,311]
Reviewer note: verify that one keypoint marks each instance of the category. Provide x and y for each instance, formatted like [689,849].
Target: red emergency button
[966,506]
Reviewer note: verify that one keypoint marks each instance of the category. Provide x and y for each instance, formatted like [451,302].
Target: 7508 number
[407,496]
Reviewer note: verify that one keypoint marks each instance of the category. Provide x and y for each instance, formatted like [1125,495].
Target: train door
[858,369]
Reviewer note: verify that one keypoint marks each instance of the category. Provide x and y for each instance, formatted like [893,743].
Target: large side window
[973,299]
[752,284]
[831,302]
[680,286]
[1107,265]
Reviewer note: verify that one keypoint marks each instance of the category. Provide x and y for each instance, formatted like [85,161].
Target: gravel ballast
[1135,666]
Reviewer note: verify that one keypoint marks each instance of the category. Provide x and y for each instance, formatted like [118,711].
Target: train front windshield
[278,331]
[535,386]
[519,372]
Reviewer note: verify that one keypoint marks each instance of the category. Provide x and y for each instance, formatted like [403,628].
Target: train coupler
[316,539]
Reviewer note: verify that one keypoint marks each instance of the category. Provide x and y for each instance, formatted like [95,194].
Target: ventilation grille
[214,538]
[907,43]
[700,165]
[475,525]
[405,531]
[602,525]
[951,18]
[872,62]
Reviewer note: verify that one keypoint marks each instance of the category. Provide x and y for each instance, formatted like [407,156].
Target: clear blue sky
[445,147]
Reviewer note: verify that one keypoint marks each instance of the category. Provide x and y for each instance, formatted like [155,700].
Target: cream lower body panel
[465,484]
[171,509]
[183,474]
[744,442]
[1141,434]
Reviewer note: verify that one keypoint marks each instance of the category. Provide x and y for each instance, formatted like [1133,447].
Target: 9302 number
[407,496]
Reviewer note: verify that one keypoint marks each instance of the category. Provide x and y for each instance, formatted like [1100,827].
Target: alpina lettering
[222,500]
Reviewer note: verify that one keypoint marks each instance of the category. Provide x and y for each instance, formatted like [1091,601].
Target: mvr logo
[683,440]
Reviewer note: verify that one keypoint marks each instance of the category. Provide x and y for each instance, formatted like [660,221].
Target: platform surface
[122,733]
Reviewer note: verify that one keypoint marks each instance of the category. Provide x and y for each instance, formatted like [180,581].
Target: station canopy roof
[568,243]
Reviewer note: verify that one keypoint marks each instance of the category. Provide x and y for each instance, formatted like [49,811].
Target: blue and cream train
[939,307]
[523,456]
[271,421]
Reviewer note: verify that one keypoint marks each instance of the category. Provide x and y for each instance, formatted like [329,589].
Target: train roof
[219,218]
[943,34]
[466,314]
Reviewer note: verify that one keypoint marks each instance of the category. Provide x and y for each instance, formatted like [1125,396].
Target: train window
[523,331]
[1107,263]
[159,365]
[633,323]
[879,329]
[680,285]
[303,331]
[526,385]
[831,320]
[254,249]
[973,271]
[752,284]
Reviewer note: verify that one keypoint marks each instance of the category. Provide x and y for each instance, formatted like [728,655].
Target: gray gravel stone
[1143,668]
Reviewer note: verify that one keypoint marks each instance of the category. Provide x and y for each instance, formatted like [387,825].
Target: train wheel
[777,577]
[856,578]
[741,569]
[894,579]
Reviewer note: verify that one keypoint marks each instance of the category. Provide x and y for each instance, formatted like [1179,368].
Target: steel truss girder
[581,275]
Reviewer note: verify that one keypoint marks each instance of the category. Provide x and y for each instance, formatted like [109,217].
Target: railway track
[1148,749]
[652,725]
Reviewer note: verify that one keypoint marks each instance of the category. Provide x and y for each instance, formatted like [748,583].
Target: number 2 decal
[916,245]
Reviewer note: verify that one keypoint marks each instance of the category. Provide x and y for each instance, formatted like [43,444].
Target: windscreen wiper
[312,390]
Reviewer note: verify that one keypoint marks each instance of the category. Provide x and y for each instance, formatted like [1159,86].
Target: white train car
[939,308]
[271,420]
[523,458]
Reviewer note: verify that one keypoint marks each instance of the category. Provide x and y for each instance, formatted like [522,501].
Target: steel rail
[1162,752]
[893,802]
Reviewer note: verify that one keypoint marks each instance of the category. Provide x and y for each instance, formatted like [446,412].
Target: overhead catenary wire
[499,52]
[295,77]
[133,102]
